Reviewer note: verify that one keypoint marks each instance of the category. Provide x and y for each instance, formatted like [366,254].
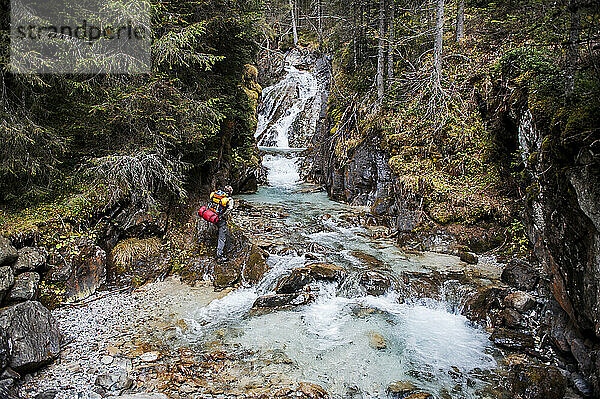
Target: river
[426,342]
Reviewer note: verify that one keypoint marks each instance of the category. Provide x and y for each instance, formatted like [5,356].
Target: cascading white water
[284,103]
[282,170]
[328,340]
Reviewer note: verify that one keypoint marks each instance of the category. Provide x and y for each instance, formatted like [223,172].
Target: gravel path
[107,336]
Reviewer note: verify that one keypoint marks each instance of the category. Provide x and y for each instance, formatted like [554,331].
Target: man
[222,204]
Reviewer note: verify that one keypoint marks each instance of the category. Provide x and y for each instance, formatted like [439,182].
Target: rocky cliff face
[563,221]
[364,178]
[361,177]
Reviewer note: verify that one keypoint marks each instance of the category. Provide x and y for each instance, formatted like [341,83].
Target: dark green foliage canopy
[75,132]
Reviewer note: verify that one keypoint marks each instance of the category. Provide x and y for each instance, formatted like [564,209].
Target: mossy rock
[537,382]
[256,265]
[225,275]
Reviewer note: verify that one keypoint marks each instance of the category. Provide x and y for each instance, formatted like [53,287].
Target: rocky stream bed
[297,332]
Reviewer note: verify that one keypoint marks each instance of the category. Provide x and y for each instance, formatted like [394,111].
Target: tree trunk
[294,27]
[320,11]
[355,34]
[381,53]
[460,21]
[438,45]
[573,48]
[391,43]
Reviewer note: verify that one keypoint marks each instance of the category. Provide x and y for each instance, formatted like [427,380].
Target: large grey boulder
[145,396]
[33,333]
[25,288]
[8,253]
[281,300]
[7,279]
[30,260]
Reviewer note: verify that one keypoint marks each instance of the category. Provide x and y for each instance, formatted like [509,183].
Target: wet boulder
[375,283]
[281,300]
[521,275]
[311,256]
[7,279]
[520,301]
[376,341]
[509,318]
[312,391]
[245,260]
[528,381]
[225,274]
[326,271]
[8,253]
[481,304]
[26,287]
[34,335]
[302,276]
[88,273]
[30,260]
[468,257]
[512,339]
[400,389]
[294,281]
[255,265]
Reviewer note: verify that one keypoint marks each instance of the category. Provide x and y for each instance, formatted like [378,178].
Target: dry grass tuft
[132,250]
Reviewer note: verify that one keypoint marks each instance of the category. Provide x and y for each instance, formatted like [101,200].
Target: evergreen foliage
[134,136]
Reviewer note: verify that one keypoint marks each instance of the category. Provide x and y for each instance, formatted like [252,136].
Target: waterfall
[288,118]
[290,109]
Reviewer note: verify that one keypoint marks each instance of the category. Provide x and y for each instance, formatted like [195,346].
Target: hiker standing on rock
[219,207]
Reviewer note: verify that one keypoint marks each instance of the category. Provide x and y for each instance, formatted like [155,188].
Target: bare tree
[391,44]
[439,37]
[573,47]
[460,21]
[381,53]
[294,27]
[320,26]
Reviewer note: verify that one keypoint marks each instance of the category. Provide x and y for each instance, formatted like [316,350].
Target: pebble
[150,356]
[106,359]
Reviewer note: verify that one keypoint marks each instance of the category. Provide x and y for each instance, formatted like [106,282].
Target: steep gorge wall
[362,177]
[562,216]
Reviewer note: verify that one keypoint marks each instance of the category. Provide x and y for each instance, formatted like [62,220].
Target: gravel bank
[107,336]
